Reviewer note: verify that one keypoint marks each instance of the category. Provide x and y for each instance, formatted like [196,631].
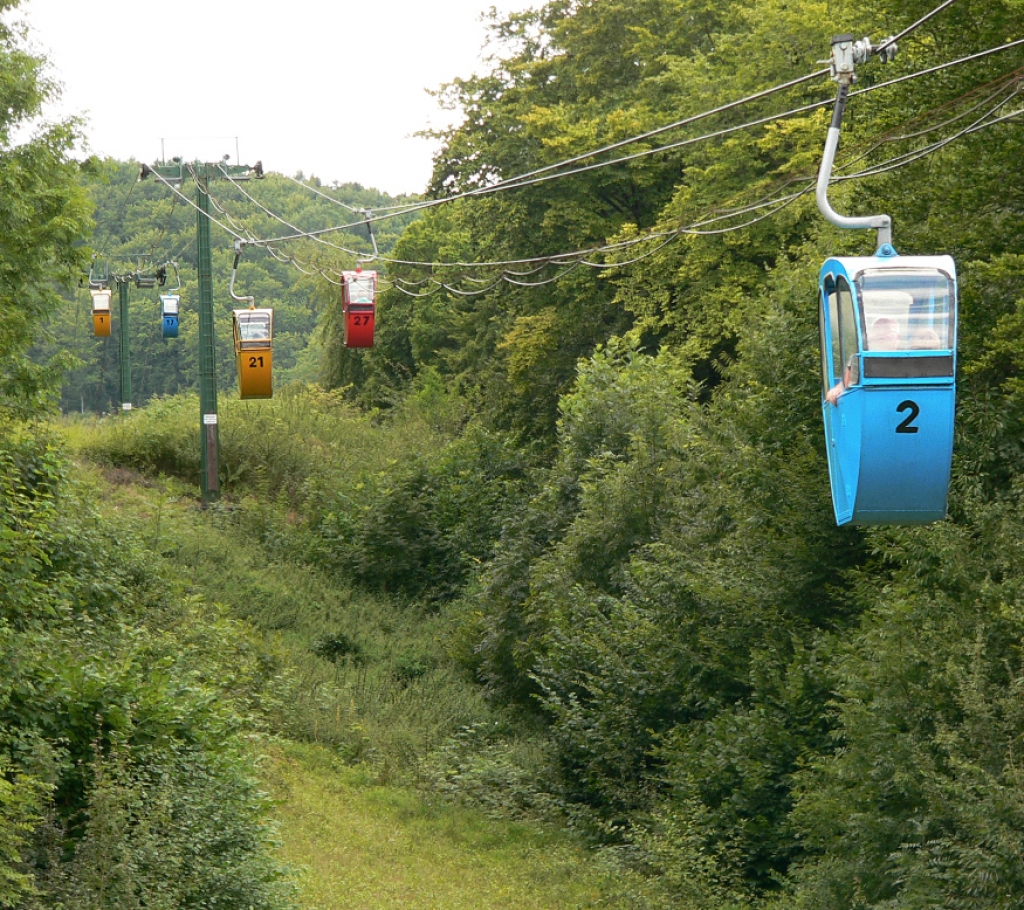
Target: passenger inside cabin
[360,291]
[884,334]
[832,395]
[924,339]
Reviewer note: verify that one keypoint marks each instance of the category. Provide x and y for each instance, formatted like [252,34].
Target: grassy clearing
[361,845]
[360,694]
[353,671]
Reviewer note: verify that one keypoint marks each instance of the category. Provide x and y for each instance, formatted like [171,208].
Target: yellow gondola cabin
[101,312]
[254,335]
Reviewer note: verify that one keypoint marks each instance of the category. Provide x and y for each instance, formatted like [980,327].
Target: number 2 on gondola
[907,425]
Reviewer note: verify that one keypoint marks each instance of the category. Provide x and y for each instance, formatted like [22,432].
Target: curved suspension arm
[250,301]
[96,283]
[177,278]
[369,227]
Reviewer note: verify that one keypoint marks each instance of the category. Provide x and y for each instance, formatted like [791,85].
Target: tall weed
[366,675]
[301,445]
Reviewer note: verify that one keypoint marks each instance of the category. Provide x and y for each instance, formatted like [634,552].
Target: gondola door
[840,374]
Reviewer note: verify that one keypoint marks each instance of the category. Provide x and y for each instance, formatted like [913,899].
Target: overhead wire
[760,121]
[899,36]
[1009,81]
[117,219]
[680,143]
[521,181]
[398,210]
[512,182]
[239,233]
[180,194]
[777,204]
[181,252]
[163,231]
[313,189]
[573,259]
[771,206]
[909,157]
[283,221]
[289,258]
[518,181]
[229,230]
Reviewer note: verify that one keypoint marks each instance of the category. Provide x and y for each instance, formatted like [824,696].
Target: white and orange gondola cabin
[253,329]
[254,352]
[101,312]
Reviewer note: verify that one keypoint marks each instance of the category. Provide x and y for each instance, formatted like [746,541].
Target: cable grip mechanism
[846,53]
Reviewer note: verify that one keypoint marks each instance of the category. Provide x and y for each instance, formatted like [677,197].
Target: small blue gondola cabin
[169,306]
[888,368]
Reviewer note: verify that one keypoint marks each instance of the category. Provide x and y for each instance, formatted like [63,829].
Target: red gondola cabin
[359,300]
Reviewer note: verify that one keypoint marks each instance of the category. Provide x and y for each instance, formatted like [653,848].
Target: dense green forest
[584,461]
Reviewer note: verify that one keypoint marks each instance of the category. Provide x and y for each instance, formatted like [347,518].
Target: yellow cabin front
[254,335]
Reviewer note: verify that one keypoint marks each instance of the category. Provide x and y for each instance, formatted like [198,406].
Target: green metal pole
[125,346]
[207,345]
[202,173]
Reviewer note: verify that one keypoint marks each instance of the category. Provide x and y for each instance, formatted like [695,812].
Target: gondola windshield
[361,288]
[906,310]
[252,326]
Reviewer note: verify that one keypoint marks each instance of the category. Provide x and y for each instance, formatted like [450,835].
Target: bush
[423,527]
[127,781]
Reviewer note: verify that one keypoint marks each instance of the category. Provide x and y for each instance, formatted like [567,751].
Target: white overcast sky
[333,88]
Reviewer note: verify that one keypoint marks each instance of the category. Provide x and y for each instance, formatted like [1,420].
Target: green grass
[362,846]
[303,443]
[391,701]
[352,733]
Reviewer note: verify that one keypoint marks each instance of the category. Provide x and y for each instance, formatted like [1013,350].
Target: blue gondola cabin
[169,306]
[101,312]
[254,335]
[359,303]
[888,361]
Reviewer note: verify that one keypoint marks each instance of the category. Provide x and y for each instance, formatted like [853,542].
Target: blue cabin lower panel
[892,449]
[170,326]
